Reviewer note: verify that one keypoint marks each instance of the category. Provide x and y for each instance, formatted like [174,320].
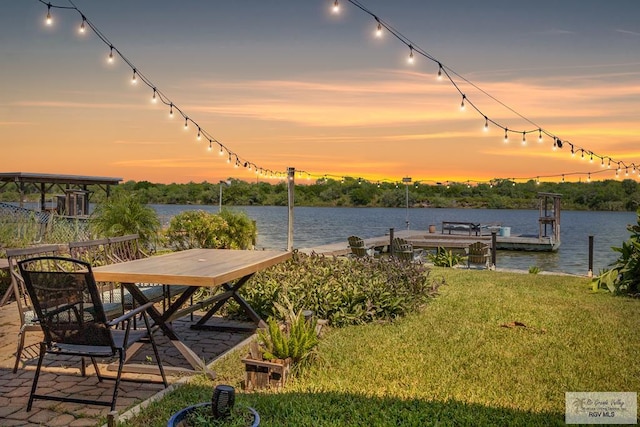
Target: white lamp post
[222,183]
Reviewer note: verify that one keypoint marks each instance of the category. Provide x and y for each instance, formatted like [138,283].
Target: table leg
[232,292]
[160,320]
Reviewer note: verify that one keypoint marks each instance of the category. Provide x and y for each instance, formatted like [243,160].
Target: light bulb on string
[379,29]
[82,26]
[439,71]
[411,59]
[210,146]
[110,58]
[462,103]
[589,177]
[336,6]
[486,124]
[524,138]
[154,98]
[221,152]
[199,137]
[602,162]
[591,158]
[506,135]
[186,123]
[171,110]
[49,20]
[134,79]
[229,158]
[582,155]
[563,178]
[540,136]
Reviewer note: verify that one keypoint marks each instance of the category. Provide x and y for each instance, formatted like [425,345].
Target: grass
[463,360]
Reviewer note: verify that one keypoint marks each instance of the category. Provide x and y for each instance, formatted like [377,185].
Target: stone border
[113,417]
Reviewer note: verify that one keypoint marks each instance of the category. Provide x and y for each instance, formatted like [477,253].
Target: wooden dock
[431,241]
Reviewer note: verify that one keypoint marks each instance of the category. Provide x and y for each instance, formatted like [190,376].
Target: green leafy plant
[295,339]
[624,275]
[445,258]
[534,269]
[124,214]
[200,229]
[342,291]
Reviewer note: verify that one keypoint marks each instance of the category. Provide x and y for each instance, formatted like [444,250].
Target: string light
[486,124]
[462,103]
[379,29]
[82,28]
[134,80]
[336,6]
[210,146]
[410,59]
[199,137]
[524,139]
[506,135]
[557,142]
[412,47]
[49,20]
[186,123]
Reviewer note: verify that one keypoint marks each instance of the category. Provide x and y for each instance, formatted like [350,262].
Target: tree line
[606,195]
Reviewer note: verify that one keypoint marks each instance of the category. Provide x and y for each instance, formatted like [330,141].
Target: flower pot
[260,374]
[179,418]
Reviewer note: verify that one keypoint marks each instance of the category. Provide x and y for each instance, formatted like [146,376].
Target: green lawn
[455,363]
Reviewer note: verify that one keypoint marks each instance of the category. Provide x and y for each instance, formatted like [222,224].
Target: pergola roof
[45,178]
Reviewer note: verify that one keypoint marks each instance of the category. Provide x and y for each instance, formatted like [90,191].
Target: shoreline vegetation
[606,195]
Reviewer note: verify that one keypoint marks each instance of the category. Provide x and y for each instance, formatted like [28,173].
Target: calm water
[319,226]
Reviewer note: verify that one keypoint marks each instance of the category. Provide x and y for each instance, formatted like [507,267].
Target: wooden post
[590,272]
[494,241]
[291,182]
[391,241]
[112,419]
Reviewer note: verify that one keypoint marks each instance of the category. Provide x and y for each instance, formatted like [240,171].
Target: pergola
[73,186]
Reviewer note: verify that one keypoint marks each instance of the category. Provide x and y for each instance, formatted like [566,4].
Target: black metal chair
[69,309]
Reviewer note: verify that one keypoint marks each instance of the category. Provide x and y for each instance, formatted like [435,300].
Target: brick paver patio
[64,378]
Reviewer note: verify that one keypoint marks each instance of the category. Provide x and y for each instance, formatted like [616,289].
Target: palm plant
[124,214]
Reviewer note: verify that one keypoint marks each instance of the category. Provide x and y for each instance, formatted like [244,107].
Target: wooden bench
[471,227]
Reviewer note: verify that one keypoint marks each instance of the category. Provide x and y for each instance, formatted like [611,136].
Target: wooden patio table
[209,268]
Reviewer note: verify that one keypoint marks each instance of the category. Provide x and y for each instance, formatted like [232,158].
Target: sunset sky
[289,83]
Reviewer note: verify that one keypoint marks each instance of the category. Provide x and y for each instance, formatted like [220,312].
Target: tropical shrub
[124,214]
[445,258]
[200,229]
[623,276]
[341,291]
[294,340]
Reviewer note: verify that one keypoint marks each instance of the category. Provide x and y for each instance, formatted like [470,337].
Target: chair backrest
[478,253]
[357,246]
[124,248]
[402,249]
[14,256]
[66,301]
[92,251]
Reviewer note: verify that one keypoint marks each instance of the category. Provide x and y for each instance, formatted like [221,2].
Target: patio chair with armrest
[26,314]
[68,306]
[405,252]
[478,253]
[359,249]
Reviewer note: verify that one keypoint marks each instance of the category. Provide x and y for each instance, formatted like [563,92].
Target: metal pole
[590,272]
[391,241]
[407,181]
[291,175]
[494,240]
